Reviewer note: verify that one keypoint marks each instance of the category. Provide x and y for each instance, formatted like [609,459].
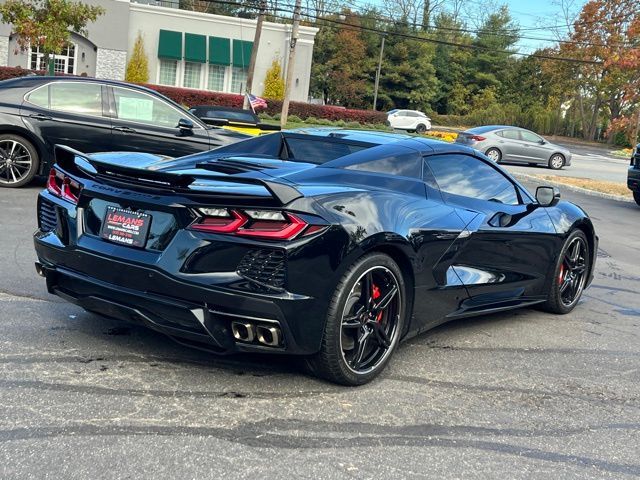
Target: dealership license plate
[125,227]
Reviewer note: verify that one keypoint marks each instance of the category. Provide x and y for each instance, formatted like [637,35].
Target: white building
[184,48]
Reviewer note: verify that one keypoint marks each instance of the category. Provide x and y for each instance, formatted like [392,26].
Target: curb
[573,188]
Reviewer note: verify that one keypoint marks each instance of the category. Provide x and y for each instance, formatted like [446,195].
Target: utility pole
[636,130]
[375,88]
[290,63]
[254,51]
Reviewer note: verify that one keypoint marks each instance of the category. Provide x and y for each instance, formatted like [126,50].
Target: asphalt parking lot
[515,395]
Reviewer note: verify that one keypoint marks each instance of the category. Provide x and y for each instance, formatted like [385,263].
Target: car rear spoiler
[75,161]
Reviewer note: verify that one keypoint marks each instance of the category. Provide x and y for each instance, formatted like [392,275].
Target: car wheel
[570,275]
[19,161]
[365,319]
[494,154]
[636,197]
[421,128]
[556,162]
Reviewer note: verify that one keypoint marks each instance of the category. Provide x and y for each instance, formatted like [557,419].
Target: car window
[39,96]
[143,108]
[396,164]
[319,151]
[468,176]
[530,136]
[511,134]
[81,98]
[229,115]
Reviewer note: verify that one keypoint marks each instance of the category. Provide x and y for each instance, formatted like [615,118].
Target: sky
[534,14]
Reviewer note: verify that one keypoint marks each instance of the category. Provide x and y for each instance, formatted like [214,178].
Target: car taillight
[267,224]
[477,138]
[63,186]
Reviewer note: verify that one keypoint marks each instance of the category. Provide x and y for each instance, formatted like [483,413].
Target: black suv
[633,177]
[91,116]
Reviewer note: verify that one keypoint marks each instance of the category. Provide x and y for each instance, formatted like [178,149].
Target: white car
[409,120]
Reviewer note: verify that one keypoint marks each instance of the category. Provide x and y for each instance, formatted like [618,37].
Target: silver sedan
[517,145]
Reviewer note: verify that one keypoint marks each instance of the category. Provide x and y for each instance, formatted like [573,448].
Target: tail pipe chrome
[268,335]
[247,332]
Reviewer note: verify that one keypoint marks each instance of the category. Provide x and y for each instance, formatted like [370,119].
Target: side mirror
[542,142]
[547,196]
[185,126]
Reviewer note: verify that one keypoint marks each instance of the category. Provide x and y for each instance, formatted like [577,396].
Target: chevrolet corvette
[333,245]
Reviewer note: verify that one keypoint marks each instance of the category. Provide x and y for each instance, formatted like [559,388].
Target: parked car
[92,116]
[237,119]
[326,243]
[512,144]
[409,120]
[633,175]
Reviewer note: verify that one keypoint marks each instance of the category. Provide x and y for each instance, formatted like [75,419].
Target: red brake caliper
[376,295]
[561,274]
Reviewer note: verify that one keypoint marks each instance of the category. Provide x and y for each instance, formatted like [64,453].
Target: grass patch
[601,186]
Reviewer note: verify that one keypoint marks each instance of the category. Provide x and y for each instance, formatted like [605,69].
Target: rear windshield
[319,150]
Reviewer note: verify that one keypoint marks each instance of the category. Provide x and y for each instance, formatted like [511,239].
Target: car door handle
[124,129]
[40,116]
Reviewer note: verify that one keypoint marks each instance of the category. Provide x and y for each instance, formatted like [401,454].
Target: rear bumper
[633,179]
[190,314]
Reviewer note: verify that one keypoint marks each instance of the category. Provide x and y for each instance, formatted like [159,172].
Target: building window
[63,62]
[238,79]
[168,72]
[192,75]
[216,78]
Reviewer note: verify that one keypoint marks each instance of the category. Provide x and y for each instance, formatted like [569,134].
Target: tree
[47,23]
[273,82]
[138,66]
[605,38]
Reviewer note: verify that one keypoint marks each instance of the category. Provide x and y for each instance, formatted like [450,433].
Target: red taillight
[267,224]
[477,138]
[277,230]
[220,224]
[63,186]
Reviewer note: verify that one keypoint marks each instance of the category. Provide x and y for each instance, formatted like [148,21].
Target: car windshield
[238,116]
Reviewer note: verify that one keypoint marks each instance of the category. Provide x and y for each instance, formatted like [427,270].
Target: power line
[418,38]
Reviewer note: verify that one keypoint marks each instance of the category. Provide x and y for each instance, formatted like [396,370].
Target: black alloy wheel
[421,128]
[18,161]
[365,321]
[571,274]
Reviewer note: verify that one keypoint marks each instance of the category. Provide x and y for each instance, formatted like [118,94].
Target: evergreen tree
[138,66]
[273,82]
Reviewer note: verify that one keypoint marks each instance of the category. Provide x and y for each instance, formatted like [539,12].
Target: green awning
[195,48]
[242,53]
[219,51]
[170,45]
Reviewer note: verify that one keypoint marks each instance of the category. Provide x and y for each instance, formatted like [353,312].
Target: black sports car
[331,244]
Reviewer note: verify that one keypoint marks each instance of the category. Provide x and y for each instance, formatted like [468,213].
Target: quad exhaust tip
[40,270]
[247,332]
[269,336]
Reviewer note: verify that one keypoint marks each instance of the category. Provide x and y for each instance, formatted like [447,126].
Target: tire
[556,162]
[555,302]
[338,359]
[421,128]
[494,154]
[19,161]
[636,197]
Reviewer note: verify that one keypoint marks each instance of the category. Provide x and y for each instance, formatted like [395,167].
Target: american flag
[256,102]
